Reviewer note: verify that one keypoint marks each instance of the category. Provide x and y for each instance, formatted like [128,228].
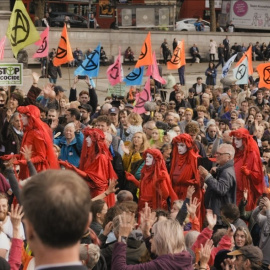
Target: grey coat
[222,189]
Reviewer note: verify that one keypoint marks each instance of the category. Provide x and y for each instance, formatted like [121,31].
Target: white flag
[227,66]
[240,73]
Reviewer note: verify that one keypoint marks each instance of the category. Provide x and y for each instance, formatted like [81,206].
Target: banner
[142,97]
[264,75]
[227,66]
[43,44]
[2,47]
[247,54]
[178,58]
[114,72]
[64,53]
[240,73]
[11,74]
[90,66]
[21,31]
[145,57]
[155,71]
[135,76]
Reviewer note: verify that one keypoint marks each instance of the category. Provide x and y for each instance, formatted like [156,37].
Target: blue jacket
[71,152]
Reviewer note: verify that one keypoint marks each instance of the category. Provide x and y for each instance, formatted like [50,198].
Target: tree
[179,4]
[39,8]
[212,15]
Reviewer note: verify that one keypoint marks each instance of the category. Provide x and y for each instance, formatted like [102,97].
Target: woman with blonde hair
[133,152]
[165,239]
[157,138]
[242,237]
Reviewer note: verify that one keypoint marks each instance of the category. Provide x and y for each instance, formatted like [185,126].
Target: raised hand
[47,89]
[203,172]
[148,218]
[27,152]
[126,224]
[190,191]
[108,228]
[211,219]
[245,194]
[112,186]
[16,215]
[205,253]
[192,207]
[35,77]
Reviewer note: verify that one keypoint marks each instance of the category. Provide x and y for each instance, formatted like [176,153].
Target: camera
[82,77]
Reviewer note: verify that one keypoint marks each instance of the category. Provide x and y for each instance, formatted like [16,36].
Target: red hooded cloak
[38,135]
[155,184]
[248,168]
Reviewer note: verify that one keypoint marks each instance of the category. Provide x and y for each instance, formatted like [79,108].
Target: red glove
[66,164]
[245,170]
[131,177]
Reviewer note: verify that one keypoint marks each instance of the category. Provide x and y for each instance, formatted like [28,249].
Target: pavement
[192,71]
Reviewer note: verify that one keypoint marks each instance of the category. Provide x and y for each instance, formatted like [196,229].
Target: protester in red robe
[184,168]
[248,167]
[95,164]
[155,185]
[38,136]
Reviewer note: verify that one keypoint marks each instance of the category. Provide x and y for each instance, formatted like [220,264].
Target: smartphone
[81,77]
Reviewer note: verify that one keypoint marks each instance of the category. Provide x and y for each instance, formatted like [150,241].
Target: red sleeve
[15,254]
[225,243]
[202,238]
[256,174]
[195,224]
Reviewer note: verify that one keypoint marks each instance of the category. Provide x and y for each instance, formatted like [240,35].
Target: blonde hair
[74,104]
[134,119]
[144,145]
[168,237]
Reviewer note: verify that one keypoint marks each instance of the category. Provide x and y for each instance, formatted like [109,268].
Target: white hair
[69,125]
[90,253]
[229,149]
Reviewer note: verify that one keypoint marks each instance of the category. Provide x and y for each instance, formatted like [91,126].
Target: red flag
[142,97]
[145,58]
[155,73]
[178,59]
[64,53]
[114,72]
[247,54]
[43,44]
[2,47]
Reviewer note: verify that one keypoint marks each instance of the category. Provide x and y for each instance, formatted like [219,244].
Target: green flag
[21,31]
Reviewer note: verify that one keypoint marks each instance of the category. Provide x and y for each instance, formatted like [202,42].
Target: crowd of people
[184,185]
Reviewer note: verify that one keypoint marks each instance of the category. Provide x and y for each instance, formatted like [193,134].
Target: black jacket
[92,94]
[203,88]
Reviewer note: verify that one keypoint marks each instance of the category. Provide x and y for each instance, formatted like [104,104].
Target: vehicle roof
[190,19]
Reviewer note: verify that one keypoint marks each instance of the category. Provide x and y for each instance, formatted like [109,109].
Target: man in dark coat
[221,184]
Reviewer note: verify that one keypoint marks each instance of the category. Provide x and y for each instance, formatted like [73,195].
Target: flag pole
[69,76]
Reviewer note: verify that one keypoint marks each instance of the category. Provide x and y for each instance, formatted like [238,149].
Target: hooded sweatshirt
[180,261]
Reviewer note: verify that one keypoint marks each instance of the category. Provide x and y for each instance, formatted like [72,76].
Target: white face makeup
[149,160]
[182,148]
[238,142]
[24,119]
[88,141]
